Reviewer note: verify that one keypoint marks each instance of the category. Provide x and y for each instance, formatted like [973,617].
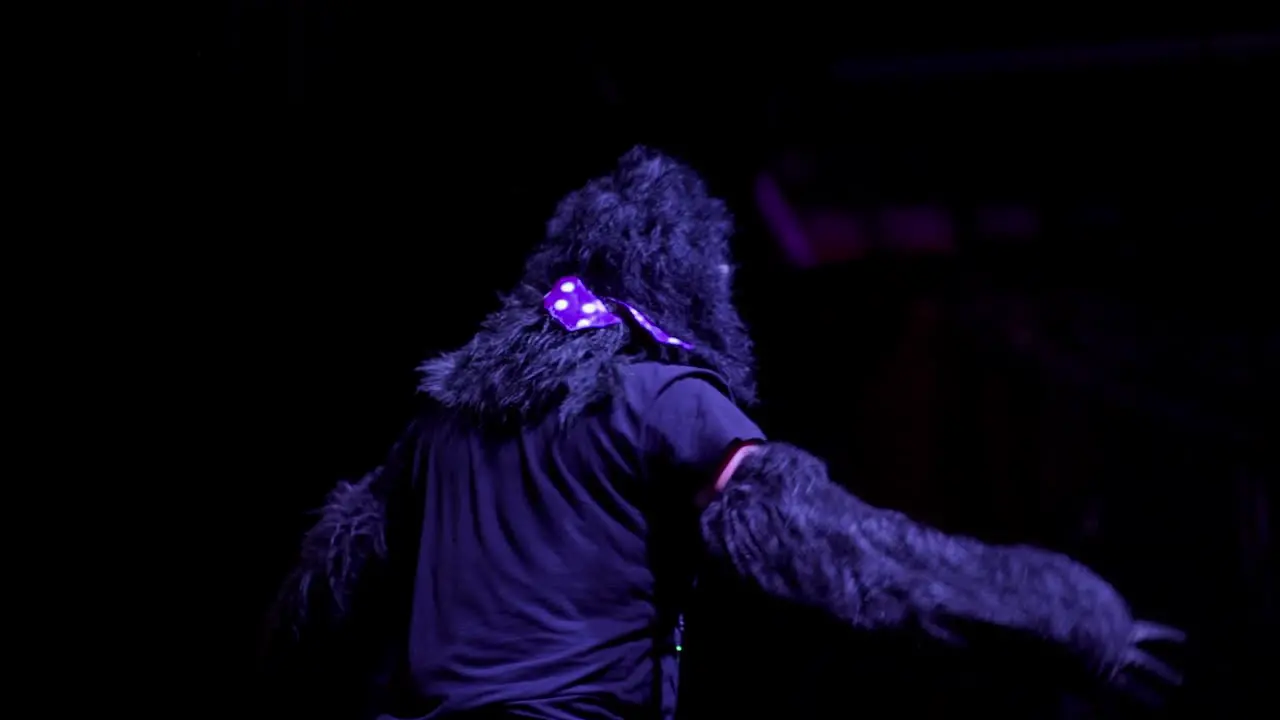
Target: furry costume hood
[647,233]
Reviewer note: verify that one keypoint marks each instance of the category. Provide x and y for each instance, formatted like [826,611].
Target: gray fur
[784,525]
[648,234]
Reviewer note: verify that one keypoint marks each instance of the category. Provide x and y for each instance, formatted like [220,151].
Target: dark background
[361,179]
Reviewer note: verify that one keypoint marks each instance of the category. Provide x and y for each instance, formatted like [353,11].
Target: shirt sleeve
[692,426]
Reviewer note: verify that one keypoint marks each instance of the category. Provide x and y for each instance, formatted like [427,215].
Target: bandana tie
[576,308]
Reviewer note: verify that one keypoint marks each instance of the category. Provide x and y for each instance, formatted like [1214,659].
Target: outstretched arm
[782,523]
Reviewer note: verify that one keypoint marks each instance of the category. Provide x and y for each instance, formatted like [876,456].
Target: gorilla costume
[527,546]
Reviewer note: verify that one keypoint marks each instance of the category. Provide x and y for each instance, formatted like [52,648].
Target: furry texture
[649,234]
[326,644]
[353,538]
[339,611]
[783,524]
[350,534]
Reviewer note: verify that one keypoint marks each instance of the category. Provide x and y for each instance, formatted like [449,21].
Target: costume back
[549,570]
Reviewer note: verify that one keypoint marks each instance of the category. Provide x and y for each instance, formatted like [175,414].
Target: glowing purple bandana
[574,307]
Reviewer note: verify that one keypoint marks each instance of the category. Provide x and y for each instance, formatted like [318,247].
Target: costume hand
[1103,633]
[1136,668]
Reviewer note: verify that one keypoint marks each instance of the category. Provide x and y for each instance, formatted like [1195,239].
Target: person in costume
[527,546]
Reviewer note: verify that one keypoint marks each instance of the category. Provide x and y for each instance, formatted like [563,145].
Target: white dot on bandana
[674,340]
[566,287]
[583,323]
[589,308]
[561,304]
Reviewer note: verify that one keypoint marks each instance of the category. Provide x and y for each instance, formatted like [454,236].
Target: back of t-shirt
[546,554]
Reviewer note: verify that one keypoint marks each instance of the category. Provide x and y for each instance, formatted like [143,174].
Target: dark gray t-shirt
[546,555]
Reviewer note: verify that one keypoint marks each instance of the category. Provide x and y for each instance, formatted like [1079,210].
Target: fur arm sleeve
[312,656]
[351,541]
[782,523]
[327,633]
[349,535]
